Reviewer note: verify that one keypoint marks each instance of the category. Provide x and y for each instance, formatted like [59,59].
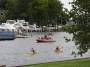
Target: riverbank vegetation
[72,63]
[80,14]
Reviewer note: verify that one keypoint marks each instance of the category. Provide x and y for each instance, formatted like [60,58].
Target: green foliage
[38,11]
[81,36]
[13,11]
[81,31]
[73,63]
[16,9]
[2,4]
[42,12]
[54,9]
[81,11]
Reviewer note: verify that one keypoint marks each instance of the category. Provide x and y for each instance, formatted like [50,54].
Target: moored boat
[6,34]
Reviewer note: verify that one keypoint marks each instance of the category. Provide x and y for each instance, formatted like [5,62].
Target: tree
[2,4]
[81,11]
[42,12]
[54,10]
[12,9]
[37,10]
[16,9]
[81,31]
[45,11]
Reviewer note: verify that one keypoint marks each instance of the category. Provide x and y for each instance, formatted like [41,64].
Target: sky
[66,5]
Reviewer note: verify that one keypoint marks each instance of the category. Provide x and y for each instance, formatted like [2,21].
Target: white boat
[21,27]
[6,34]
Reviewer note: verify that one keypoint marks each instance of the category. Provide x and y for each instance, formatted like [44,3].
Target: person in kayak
[33,51]
[57,49]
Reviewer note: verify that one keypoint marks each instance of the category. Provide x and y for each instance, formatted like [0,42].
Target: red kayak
[44,40]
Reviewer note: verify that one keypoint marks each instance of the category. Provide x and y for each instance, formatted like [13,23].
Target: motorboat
[6,34]
[21,27]
[45,39]
[40,40]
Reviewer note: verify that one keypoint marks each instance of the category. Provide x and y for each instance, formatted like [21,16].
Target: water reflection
[18,51]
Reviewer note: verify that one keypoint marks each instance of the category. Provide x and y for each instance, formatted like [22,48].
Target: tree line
[41,12]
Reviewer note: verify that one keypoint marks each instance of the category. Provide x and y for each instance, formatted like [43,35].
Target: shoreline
[63,61]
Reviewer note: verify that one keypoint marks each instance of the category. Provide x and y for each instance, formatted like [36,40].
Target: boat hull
[45,41]
[21,36]
[7,36]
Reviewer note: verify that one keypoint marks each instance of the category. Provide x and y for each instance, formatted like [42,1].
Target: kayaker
[33,51]
[61,49]
[57,49]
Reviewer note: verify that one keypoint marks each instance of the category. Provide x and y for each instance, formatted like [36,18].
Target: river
[17,52]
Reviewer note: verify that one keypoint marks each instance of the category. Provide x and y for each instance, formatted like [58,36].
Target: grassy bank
[72,63]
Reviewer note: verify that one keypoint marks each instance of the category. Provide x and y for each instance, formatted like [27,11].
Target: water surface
[18,52]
